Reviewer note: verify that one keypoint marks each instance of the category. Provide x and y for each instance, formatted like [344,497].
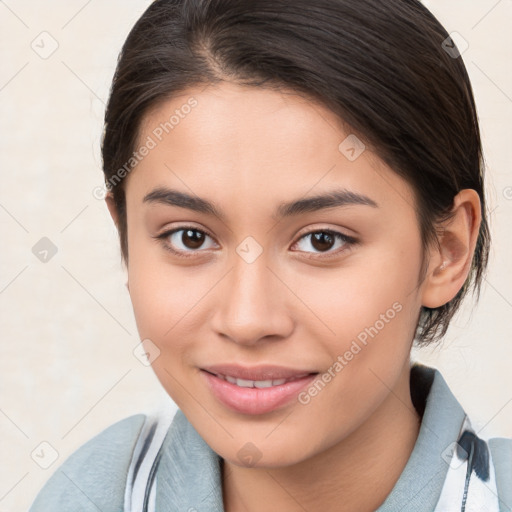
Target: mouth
[247,383]
[267,389]
[260,373]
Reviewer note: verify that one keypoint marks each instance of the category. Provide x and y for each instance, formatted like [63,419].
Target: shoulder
[501,448]
[93,477]
[501,453]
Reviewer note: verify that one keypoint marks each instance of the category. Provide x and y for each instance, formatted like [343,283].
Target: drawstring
[140,490]
[150,482]
[468,476]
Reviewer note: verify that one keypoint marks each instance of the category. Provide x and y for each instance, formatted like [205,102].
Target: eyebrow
[332,199]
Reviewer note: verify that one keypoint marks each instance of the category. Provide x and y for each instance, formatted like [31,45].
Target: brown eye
[323,241]
[185,241]
[192,238]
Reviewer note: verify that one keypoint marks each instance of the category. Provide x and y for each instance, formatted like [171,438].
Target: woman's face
[328,287]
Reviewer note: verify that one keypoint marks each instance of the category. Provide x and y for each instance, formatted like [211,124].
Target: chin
[264,455]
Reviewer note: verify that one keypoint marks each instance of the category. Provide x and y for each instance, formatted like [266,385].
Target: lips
[257,373]
[256,390]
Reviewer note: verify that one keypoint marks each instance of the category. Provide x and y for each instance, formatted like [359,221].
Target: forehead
[244,117]
[242,144]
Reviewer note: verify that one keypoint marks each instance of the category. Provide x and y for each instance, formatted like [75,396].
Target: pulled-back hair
[389,70]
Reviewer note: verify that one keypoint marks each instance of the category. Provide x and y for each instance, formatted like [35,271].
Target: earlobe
[111,205]
[450,263]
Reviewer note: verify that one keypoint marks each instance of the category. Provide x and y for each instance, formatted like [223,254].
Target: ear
[450,263]
[112,208]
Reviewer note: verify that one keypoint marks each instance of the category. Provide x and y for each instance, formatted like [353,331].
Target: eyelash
[348,242]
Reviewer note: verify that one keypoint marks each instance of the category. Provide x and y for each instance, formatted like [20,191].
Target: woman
[298,190]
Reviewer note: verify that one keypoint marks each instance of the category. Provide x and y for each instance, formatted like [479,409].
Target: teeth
[244,383]
[268,383]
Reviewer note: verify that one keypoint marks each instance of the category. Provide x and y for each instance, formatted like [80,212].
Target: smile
[245,383]
[247,396]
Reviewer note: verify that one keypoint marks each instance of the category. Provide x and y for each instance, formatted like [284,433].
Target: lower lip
[255,400]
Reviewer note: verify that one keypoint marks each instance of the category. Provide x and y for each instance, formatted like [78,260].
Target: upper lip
[262,372]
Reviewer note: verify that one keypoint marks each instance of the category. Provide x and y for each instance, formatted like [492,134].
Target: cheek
[161,294]
[377,292]
[164,302]
[368,313]
[164,299]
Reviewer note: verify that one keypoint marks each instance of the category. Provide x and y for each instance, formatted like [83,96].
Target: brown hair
[389,70]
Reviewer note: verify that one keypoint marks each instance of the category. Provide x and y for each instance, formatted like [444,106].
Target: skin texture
[296,305]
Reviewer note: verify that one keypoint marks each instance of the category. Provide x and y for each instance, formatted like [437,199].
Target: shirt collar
[419,485]
[189,474]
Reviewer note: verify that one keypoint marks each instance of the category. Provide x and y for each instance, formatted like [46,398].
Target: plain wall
[67,369]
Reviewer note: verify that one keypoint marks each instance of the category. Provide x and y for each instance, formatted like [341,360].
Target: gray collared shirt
[188,477]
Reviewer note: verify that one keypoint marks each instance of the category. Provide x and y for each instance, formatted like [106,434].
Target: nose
[253,304]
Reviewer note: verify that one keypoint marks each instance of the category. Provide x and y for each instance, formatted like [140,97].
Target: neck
[357,474]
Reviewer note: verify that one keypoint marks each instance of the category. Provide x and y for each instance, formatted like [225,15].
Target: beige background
[67,330]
